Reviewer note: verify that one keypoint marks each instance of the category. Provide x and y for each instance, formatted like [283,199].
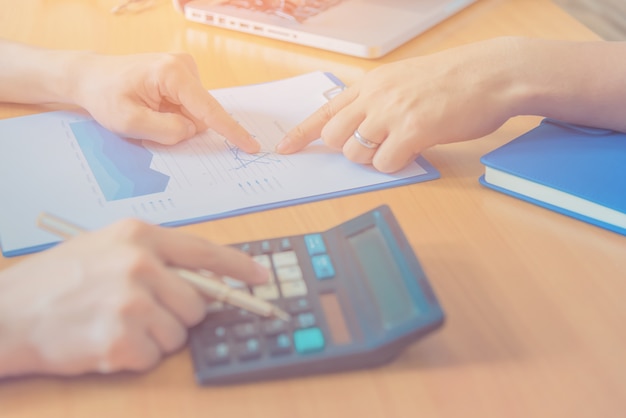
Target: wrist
[67,79]
[513,80]
[548,77]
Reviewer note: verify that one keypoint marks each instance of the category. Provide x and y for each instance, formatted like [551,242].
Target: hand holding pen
[207,283]
[108,300]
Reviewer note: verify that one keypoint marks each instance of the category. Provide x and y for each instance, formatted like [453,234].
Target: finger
[187,251]
[179,297]
[395,153]
[138,352]
[167,331]
[168,107]
[162,127]
[311,128]
[202,106]
[133,349]
[364,142]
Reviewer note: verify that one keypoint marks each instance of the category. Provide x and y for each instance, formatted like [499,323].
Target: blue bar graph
[120,166]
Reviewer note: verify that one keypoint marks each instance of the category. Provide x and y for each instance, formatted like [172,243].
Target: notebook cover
[584,162]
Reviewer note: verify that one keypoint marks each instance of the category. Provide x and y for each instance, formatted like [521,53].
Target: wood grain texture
[534,300]
[605,17]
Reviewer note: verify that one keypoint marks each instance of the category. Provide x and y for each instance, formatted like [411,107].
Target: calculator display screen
[383,276]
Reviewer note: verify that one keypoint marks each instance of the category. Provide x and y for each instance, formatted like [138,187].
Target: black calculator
[357,297]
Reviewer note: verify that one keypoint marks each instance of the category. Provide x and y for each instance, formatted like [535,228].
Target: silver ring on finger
[364,141]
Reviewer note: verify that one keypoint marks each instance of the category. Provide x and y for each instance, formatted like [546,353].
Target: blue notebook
[574,170]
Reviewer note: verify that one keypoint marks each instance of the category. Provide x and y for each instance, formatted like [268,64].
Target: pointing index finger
[310,129]
[222,122]
[203,106]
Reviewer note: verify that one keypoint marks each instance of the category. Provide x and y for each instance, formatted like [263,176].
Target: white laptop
[363,28]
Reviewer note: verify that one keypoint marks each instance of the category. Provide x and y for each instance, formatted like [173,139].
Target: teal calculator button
[315,244]
[323,267]
[308,340]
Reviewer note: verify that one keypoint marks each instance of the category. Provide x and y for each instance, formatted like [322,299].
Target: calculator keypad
[230,334]
[352,302]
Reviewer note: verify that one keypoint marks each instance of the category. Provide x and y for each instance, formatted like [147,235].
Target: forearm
[36,75]
[578,82]
[17,355]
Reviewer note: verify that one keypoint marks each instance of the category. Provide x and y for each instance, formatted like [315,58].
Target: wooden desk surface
[534,300]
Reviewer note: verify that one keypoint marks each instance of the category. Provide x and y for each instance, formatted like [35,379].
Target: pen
[212,287]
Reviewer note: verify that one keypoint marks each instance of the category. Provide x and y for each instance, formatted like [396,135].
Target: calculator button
[245,248]
[315,244]
[264,260]
[285,244]
[217,354]
[224,316]
[243,315]
[246,330]
[304,320]
[231,314]
[250,349]
[323,267]
[295,306]
[293,288]
[266,247]
[214,332]
[308,340]
[280,345]
[266,291]
[288,273]
[284,259]
[274,326]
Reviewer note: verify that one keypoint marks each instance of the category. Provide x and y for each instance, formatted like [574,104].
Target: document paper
[66,164]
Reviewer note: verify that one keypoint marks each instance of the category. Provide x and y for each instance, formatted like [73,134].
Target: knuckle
[134,305]
[146,361]
[327,111]
[114,348]
[176,340]
[126,121]
[170,61]
[298,133]
[197,313]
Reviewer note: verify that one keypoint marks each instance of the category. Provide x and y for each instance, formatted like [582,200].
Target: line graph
[244,160]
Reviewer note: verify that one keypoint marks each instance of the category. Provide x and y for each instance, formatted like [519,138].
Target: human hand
[154,96]
[404,107]
[107,300]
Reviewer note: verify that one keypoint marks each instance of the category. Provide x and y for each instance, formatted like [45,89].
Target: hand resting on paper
[105,301]
[154,96]
[402,108]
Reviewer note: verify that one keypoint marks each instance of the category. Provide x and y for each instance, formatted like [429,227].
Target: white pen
[212,287]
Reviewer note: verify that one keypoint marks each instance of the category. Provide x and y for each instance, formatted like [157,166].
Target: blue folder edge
[557,209]
[431,173]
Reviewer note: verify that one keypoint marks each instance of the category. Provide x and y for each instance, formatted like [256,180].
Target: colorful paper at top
[66,164]
[574,170]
